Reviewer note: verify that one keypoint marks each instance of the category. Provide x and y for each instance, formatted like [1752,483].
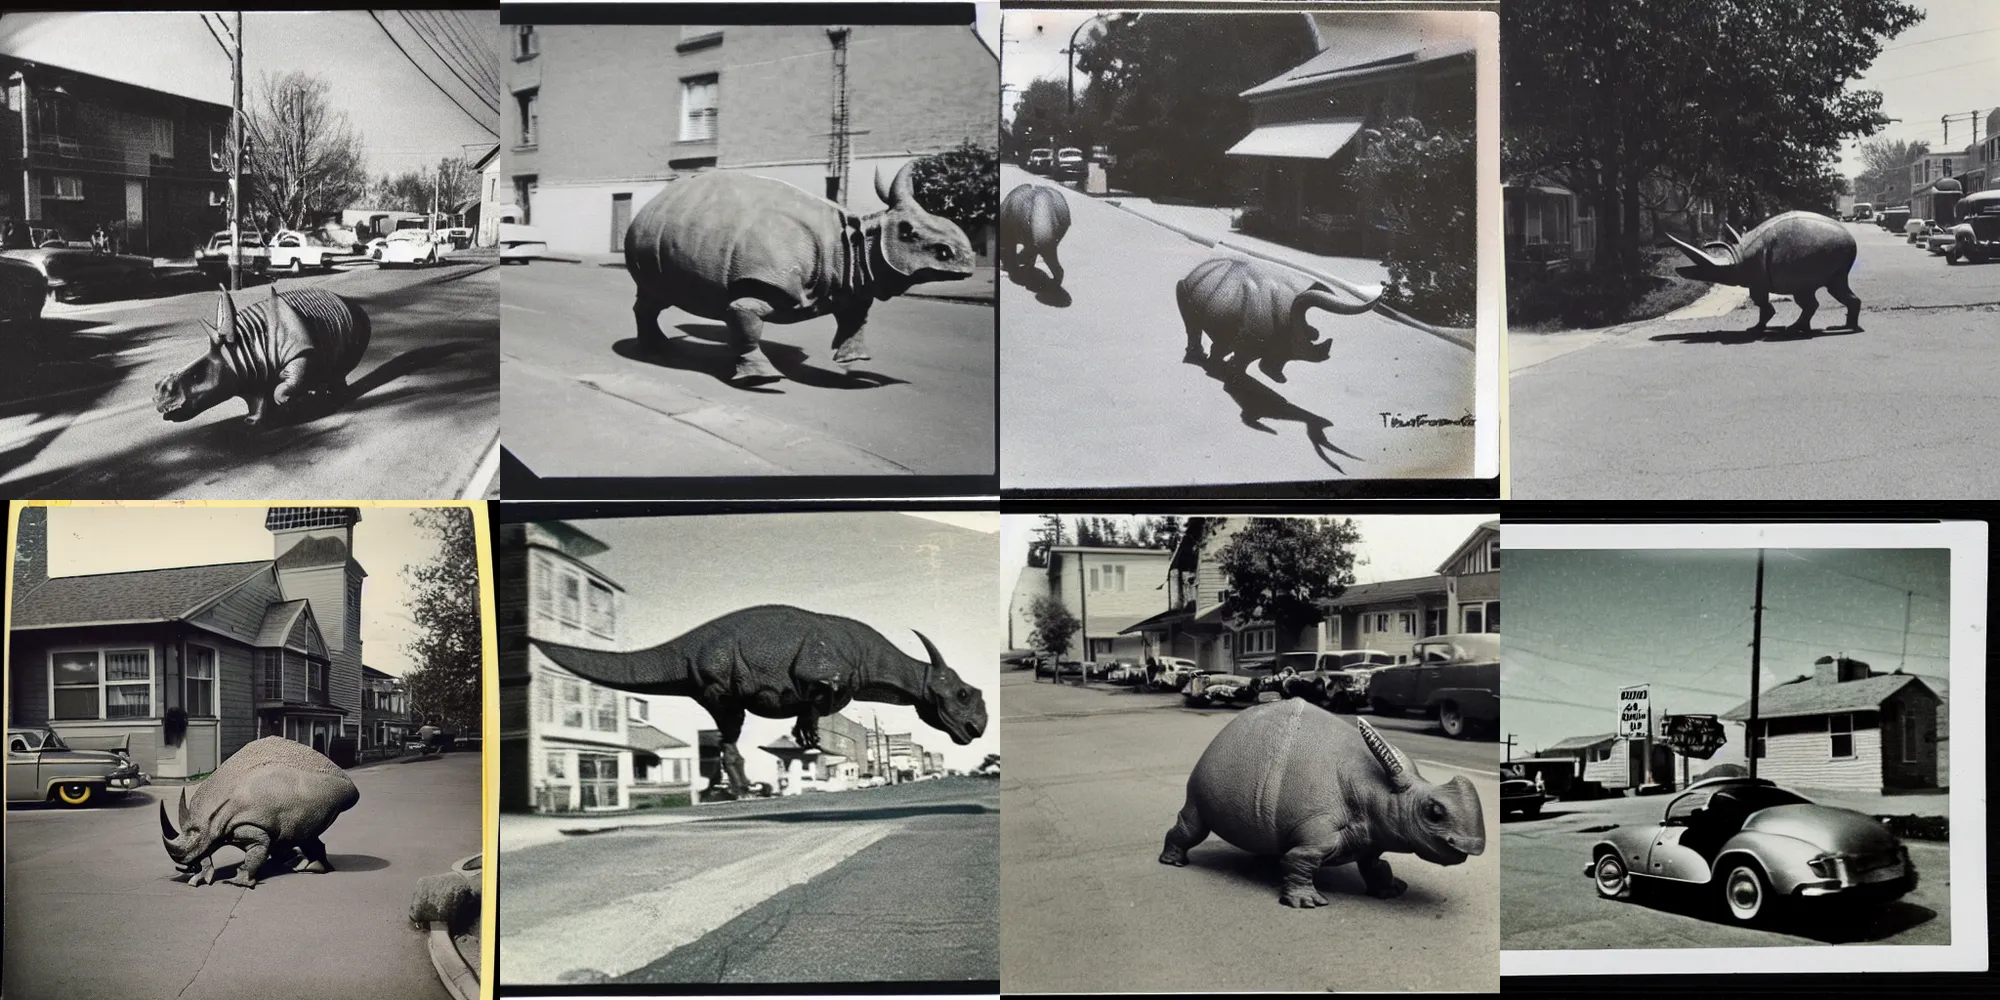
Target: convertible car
[1757,847]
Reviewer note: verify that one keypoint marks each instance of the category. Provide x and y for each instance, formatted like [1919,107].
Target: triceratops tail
[631,671]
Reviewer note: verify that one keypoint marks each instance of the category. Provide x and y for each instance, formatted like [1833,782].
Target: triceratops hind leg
[1055,266]
[1764,309]
[1808,304]
[1193,355]
[1380,881]
[257,402]
[646,321]
[292,379]
[312,857]
[746,326]
[848,345]
[1188,832]
[1838,288]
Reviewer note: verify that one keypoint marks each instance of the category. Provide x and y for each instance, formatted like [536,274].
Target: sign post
[1635,722]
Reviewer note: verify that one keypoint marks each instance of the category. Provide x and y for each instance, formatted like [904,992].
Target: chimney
[1839,669]
[31,550]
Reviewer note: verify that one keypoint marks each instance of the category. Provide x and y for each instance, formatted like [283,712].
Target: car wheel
[1610,877]
[76,793]
[1745,891]
[1452,720]
[298,266]
[1532,811]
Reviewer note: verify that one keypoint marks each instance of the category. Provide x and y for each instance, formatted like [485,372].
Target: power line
[218,38]
[1904,588]
[455,54]
[1940,69]
[1879,628]
[427,76]
[1946,38]
[479,55]
[424,37]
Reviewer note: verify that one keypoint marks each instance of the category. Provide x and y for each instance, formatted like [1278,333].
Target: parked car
[1214,687]
[1123,671]
[1070,164]
[1328,678]
[405,247]
[1939,241]
[1976,236]
[460,237]
[1521,794]
[23,292]
[1048,666]
[1915,228]
[1040,161]
[1174,673]
[1863,212]
[1018,658]
[294,251]
[1456,677]
[1755,847]
[41,767]
[214,258]
[76,275]
[1101,155]
[1893,219]
[521,244]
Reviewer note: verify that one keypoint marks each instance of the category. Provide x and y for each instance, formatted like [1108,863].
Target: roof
[573,541]
[372,673]
[1808,697]
[1159,621]
[278,620]
[147,595]
[645,737]
[1298,140]
[1118,549]
[1579,742]
[322,551]
[1339,66]
[1386,590]
[1477,537]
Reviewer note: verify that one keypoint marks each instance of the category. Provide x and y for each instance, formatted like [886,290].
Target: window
[604,703]
[1493,554]
[602,619]
[1434,622]
[1600,754]
[1474,618]
[545,700]
[557,766]
[199,684]
[1685,807]
[62,187]
[572,600]
[316,683]
[271,675]
[545,594]
[698,108]
[1840,730]
[1406,621]
[101,684]
[1492,616]
[636,708]
[525,102]
[526,45]
[572,704]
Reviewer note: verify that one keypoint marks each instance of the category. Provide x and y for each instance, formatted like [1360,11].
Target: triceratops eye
[1434,812]
[943,252]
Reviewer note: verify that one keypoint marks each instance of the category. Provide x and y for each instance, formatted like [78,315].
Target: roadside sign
[1693,735]
[1634,712]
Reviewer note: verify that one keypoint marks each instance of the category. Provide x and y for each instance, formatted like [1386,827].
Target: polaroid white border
[1968,950]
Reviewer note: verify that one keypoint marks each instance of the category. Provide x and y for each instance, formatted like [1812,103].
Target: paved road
[427,415]
[582,399]
[95,909]
[1094,779]
[886,884]
[1698,409]
[1094,393]
[1549,903]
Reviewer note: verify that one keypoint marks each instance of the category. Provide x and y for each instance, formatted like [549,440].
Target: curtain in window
[200,681]
[128,684]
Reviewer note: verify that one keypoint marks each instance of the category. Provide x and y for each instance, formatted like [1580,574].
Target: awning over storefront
[1298,140]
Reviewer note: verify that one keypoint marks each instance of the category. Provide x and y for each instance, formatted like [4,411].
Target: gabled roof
[1478,537]
[645,737]
[1580,742]
[1386,590]
[1339,65]
[1160,621]
[174,593]
[1808,697]
[278,621]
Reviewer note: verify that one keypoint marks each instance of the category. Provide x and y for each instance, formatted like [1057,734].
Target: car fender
[1614,845]
[1782,858]
[1475,703]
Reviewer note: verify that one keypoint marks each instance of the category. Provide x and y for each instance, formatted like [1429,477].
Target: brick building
[600,118]
[95,151]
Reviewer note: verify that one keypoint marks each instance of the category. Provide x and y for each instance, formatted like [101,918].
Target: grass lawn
[1575,301]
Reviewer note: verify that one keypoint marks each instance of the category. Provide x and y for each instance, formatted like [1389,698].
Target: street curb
[485,474]
[460,979]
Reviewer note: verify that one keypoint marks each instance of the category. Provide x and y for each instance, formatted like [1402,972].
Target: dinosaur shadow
[1773,335]
[357,397]
[1041,283]
[704,348]
[1331,880]
[1260,402]
[280,867]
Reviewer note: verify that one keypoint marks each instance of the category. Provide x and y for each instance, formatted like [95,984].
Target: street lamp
[1070,79]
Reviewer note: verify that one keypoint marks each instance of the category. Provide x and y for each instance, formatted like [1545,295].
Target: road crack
[211,944]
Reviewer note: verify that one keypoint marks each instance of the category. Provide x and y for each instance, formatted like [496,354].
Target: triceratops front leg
[292,381]
[258,403]
[254,855]
[848,347]
[746,325]
[207,873]
[1808,304]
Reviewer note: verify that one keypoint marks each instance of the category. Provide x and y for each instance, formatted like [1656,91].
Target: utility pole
[1903,658]
[236,161]
[1083,602]
[1756,661]
[1509,743]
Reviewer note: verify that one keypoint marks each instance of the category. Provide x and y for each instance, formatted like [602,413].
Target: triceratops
[1791,254]
[782,662]
[749,250]
[273,798]
[292,345]
[1256,311]
[1289,779]
[1033,219]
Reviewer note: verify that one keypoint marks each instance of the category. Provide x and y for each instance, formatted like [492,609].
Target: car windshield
[1750,798]
[50,741]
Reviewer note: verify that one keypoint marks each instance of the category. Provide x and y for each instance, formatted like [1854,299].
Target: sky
[1582,623]
[1393,546]
[115,539]
[404,121]
[1941,66]
[933,573]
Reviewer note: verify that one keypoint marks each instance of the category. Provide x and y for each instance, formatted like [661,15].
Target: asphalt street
[583,399]
[1699,409]
[1549,903]
[1094,780]
[1094,392]
[424,415]
[899,883]
[96,910]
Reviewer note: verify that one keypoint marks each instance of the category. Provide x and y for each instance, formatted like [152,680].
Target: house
[235,650]
[1310,122]
[1614,762]
[81,150]
[1472,581]
[1547,222]
[1924,172]
[1108,588]
[1846,727]
[1463,596]
[847,752]
[600,118]
[385,711]
[663,767]
[565,743]
[486,225]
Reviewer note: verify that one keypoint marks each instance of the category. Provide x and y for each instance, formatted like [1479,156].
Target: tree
[1042,119]
[444,604]
[961,184]
[1885,163]
[1055,626]
[1162,92]
[303,160]
[1279,569]
[1614,100]
[411,191]
[992,760]
[1432,256]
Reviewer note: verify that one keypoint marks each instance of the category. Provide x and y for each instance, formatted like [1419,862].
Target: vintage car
[404,247]
[1070,164]
[1915,228]
[76,275]
[1120,671]
[1174,673]
[23,292]
[460,237]
[1040,161]
[1863,212]
[1976,236]
[1333,679]
[294,251]
[1757,847]
[1939,241]
[41,767]
[1052,667]
[1018,659]
[1214,687]
[520,244]
[214,258]
[1521,794]
[1455,677]
[1893,219]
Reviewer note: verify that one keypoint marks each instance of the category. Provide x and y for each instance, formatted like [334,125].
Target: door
[598,774]
[135,216]
[621,220]
[1635,755]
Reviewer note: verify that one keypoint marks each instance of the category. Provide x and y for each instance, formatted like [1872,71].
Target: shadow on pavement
[706,350]
[1775,335]
[280,868]
[1042,284]
[1330,880]
[1828,923]
[858,815]
[1545,814]
[1260,402]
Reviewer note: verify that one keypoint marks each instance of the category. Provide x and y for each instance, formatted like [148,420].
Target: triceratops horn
[937,658]
[1394,764]
[901,191]
[167,828]
[1693,252]
[1734,236]
[225,318]
[184,807]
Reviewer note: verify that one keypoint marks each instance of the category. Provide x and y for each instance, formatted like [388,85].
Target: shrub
[961,184]
[1422,181]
